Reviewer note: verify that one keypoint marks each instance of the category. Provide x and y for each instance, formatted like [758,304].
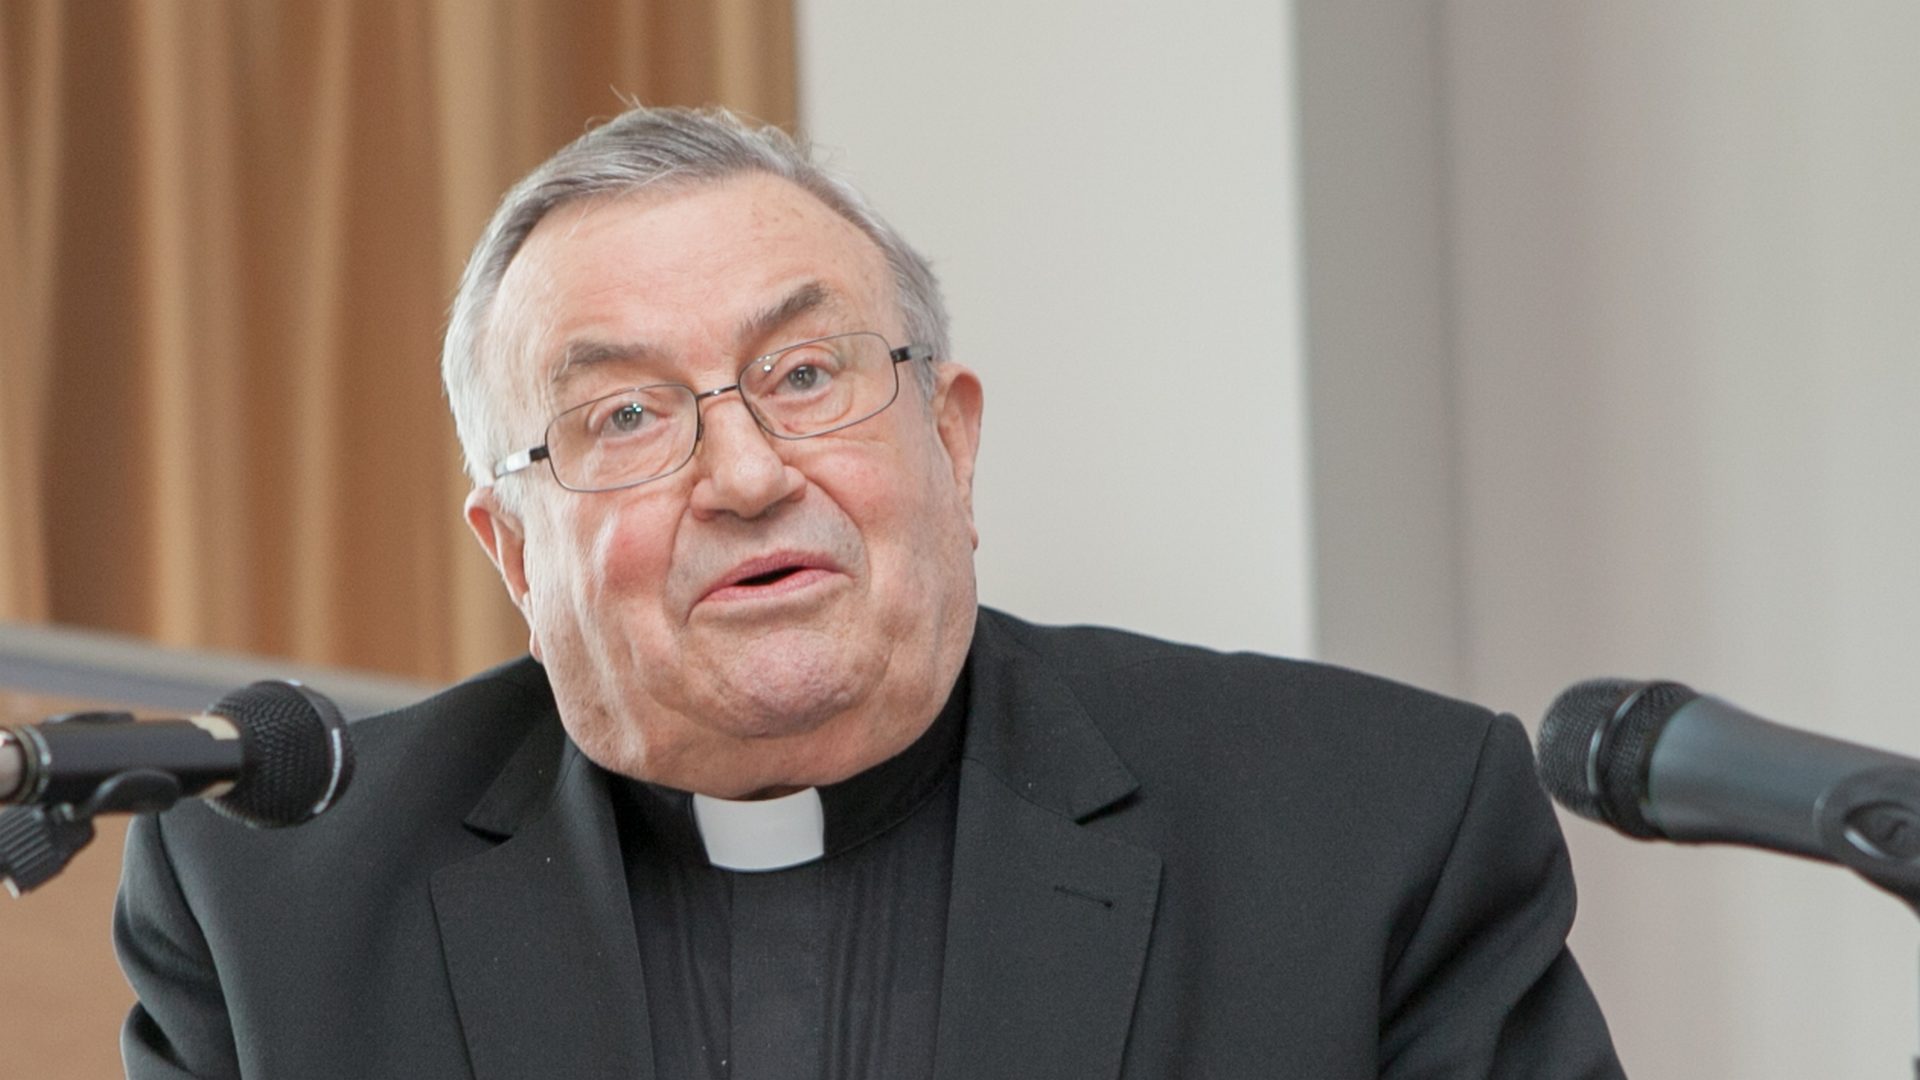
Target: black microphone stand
[37,842]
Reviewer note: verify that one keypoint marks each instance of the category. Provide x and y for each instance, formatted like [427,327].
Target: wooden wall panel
[62,996]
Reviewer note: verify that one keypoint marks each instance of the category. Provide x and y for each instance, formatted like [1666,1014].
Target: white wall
[1107,190]
[1686,271]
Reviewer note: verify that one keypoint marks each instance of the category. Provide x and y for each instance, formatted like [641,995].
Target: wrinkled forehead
[682,285]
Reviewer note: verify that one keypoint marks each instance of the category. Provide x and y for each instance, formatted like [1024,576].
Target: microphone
[1659,761]
[270,754]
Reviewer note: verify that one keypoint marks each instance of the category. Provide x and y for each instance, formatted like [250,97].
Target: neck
[845,745]
[710,761]
[644,738]
[778,791]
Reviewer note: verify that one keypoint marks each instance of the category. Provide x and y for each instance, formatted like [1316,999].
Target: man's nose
[737,468]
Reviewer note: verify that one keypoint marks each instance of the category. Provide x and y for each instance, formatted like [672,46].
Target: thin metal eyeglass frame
[521,460]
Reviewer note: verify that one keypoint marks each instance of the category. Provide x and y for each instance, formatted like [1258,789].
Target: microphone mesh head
[1566,740]
[1596,744]
[296,759]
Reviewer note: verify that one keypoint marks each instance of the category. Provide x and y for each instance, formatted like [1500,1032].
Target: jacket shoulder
[1136,686]
[466,728]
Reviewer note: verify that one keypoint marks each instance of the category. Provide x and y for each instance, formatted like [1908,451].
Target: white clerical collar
[762,834]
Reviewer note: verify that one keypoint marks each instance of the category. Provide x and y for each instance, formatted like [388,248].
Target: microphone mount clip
[37,841]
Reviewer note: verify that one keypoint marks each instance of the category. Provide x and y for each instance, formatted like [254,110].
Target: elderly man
[773,797]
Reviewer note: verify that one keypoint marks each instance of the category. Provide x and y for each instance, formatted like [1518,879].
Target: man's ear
[504,537]
[957,404]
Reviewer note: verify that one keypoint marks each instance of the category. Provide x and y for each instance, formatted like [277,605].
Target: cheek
[630,556]
[596,554]
[878,488]
[905,504]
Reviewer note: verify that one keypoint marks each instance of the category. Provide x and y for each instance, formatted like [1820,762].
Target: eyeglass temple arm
[518,460]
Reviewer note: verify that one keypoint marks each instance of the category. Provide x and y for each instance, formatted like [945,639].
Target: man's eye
[799,372]
[625,420]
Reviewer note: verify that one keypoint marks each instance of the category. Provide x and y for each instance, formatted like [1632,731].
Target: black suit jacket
[1167,863]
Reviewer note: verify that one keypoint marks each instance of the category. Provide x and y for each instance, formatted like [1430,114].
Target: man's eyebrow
[586,353]
[808,298]
[580,355]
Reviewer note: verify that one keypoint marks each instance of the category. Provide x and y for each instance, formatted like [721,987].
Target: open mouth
[771,576]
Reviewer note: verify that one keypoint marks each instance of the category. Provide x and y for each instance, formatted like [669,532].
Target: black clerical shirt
[829,969]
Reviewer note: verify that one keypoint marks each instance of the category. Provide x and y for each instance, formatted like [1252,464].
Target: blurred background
[1487,344]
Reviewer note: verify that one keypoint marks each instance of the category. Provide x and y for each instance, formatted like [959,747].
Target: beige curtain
[229,231]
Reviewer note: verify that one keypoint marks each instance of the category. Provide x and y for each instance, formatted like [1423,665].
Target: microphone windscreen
[1596,745]
[296,756]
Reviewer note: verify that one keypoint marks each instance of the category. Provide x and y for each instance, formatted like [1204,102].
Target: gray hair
[665,149]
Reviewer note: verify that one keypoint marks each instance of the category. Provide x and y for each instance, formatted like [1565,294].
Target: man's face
[776,613]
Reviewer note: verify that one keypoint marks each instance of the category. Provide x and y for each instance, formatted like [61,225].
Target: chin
[798,670]
[791,701]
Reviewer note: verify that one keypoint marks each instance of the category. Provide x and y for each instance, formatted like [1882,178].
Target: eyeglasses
[643,433]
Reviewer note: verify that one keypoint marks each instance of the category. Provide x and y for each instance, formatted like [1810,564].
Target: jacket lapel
[1048,922]
[538,931]
[1047,928]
